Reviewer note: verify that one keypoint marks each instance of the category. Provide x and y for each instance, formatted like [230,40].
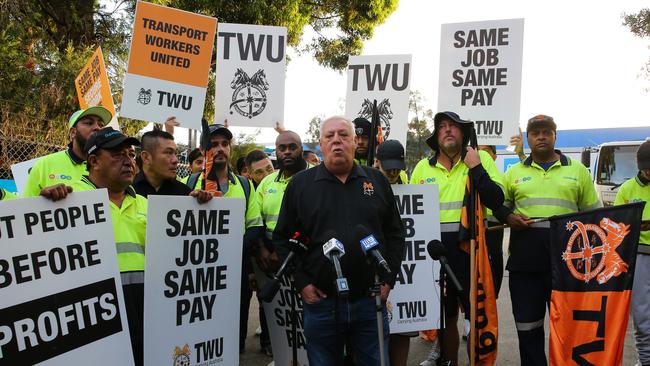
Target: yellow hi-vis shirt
[5,195]
[565,187]
[634,190]
[235,190]
[451,184]
[268,197]
[60,167]
[129,228]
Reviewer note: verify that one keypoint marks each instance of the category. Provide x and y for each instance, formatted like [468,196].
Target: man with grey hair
[340,200]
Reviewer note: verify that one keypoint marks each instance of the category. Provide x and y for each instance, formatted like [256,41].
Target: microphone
[369,245]
[297,244]
[334,250]
[437,251]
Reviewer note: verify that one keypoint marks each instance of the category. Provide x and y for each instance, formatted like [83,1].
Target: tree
[639,24]
[242,144]
[419,130]
[313,131]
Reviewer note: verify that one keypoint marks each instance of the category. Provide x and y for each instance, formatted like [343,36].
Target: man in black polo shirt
[332,199]
[159,163]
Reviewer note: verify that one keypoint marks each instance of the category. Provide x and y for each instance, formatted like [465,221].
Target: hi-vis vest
[268,198]
[60,167]
[636,191]
[451,185]
[129,228]
[565,187]
[235,190]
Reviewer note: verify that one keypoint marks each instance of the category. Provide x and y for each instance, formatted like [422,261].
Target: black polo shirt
[171,187]
[315,202]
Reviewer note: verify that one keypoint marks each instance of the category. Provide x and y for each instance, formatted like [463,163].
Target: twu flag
[592,263]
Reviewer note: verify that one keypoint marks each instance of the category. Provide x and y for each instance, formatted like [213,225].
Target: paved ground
[508,353]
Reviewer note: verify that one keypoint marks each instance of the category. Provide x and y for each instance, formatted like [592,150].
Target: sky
[580,64]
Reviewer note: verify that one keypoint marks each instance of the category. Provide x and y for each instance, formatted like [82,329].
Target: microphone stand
[294,328]
[379,307]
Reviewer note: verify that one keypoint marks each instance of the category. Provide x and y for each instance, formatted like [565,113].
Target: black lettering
[175,226]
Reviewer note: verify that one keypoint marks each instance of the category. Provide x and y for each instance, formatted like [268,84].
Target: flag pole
[472,251]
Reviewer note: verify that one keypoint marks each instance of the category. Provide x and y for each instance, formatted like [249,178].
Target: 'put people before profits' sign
[480,76]
[192,281]
[168,67]
[61,300]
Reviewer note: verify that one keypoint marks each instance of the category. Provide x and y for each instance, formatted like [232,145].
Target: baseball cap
[541,120]
[97,110]
[219,129]
[361,126]
[643,155]
[391,155]
[108,138]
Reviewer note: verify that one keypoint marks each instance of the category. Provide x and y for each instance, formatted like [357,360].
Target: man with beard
[236,186]
[335,199]
[111,165]
[69,165]
[158,174]
[449,167]
[362,130]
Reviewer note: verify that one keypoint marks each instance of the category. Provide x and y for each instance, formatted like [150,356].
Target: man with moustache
[332,199]
[547,183]
[111,165]
[452,162]
[362,128]
[69,165]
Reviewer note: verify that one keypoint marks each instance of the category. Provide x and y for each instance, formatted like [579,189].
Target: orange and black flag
[209,177]
[592,265]
[484,330]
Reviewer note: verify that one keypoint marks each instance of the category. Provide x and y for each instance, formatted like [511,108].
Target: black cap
[391,155]
[361,126]
[541,120]
[643,156]
[465,126]
[108,138]
[219,129]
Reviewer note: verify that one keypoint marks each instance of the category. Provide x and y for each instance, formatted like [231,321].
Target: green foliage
[639,24]
[419,130]
[313,131]
[242,144]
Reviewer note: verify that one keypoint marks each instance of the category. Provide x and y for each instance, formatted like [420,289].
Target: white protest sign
[20,172]
[169,61]
[480,76]
[414,302]
[61,301]
[250,75]
[386,79]
[192,281]
[279,321]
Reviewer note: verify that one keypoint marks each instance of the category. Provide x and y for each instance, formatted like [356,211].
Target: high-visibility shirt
[268,197]
[635,190]
[5,195]
[565,187]
[60,167]
[253,216]
[451,184]
[403,178]
[129,228]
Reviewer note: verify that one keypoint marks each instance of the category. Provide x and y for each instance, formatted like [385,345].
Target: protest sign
[480,76]
[386,79]
[250,75]
[414,302]
[93,87]
[20,172]
[192,281]
[61,300]
[167,75]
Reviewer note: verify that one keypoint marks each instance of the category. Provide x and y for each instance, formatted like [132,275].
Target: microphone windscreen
[436,249]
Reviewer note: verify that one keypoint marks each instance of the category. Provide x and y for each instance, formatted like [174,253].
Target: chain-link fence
[17,144]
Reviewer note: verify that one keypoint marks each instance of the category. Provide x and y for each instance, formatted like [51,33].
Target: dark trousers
[530,293]
[134,306]
[244,305]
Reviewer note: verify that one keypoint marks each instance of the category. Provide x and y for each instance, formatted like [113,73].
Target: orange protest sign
[92,84]
[171,44]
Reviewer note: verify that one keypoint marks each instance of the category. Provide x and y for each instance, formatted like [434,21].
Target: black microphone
[334,250]
[297,244]
[369,245]
[437,251]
